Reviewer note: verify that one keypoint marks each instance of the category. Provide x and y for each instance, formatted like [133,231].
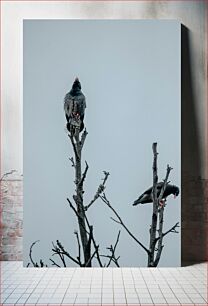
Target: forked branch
[120,221]
[99,191]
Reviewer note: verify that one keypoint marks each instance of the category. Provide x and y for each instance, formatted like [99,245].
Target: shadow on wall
[194,207]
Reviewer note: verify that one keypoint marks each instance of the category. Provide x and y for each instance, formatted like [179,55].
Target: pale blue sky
[130,75]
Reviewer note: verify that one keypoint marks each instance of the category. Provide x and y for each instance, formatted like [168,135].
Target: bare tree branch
[106,201]
[61,252]
[84,175]
[153,262]
[161,213]
[35,264]
[93,240]
[165,183]
[117,221]
[88,247]
[112,250]
[99,191]
[72,161]
[86,237]
[95,244]
[171,230]
[54,263]
[79,246]
[30,254]
[76,213]
[58,252]
[83,137]
[7,173]
[74,146]
[155,207]
[90,259]
[78,197]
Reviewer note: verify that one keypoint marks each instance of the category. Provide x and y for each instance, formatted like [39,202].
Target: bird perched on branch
[74,107]
[146,197]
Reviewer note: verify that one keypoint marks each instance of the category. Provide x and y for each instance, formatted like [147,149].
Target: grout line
[34,278]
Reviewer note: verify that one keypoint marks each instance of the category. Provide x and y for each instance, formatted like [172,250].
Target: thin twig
[171,230]
[72,161]
[84,175]
[93,239]
[106,201]
[165,183]
[30,254]
[61,252]
[112,249]
[115,260]
[54,263]
[99,191]
[7,173]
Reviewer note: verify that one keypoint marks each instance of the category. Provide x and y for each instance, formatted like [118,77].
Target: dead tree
[156,230]
[86,242]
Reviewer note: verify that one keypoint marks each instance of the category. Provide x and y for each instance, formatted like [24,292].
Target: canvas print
[102,143]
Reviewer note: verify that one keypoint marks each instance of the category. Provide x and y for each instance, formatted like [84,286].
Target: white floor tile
[188,285]
[132,300]
[119,300]
[68,300]
[32,300]
[94,301]
[145,301]
[171,301]
[107,300]
[184,300]
[81,300]
[131,295]
[10,301]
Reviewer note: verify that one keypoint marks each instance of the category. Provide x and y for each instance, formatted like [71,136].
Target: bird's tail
[137,202]
[68,126]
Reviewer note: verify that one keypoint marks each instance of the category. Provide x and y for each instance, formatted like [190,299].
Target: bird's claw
[162,203]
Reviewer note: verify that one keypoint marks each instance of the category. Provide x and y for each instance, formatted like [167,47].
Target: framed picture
[102,143]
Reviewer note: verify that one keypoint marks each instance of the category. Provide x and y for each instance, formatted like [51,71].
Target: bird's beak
[175,196]
[77,79]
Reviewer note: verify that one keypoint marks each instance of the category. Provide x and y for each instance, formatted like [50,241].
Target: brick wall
[11,217]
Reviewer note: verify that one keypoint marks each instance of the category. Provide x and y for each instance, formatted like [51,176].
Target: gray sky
[130,75]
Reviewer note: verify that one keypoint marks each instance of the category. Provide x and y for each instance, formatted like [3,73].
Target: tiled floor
[107,286]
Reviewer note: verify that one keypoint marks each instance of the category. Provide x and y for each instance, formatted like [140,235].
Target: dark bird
[146,197]
[74,107]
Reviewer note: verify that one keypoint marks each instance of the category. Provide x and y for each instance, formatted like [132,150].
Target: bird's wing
[144,198]
[68,105]
[149,190]
[82,104]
